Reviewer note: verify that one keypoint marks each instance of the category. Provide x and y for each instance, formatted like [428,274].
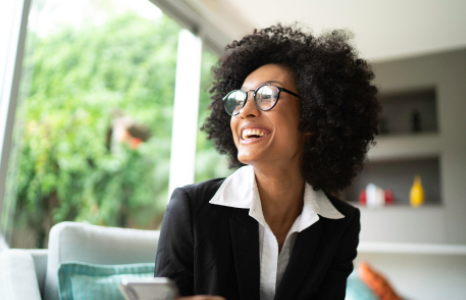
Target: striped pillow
[79,281]
[358,290]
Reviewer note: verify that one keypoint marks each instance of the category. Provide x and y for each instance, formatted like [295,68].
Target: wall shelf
[397,175]
[403,206]
[411,248]
[405,146]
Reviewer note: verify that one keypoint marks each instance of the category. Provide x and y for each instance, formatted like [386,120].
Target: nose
[250,109]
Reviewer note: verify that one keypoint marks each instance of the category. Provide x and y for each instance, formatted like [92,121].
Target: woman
[296,113]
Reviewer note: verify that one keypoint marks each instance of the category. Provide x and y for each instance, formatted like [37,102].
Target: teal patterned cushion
[356,289]
[78,281]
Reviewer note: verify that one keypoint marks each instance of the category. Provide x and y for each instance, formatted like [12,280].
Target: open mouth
[254,133]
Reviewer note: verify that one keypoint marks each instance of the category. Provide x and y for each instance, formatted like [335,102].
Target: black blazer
[214,250]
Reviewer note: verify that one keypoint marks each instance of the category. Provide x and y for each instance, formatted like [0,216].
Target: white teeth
[247,133]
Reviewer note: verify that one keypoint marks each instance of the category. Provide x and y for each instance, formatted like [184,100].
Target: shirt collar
[239,190]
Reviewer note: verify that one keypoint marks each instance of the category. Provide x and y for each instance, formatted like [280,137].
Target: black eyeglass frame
[280,89]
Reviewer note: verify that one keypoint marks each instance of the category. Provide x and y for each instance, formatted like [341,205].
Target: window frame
[14,38]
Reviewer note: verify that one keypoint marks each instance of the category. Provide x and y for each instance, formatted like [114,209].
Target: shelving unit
[408,144]
[421,250]
[435,86]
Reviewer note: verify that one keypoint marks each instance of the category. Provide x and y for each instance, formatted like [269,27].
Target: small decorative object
[362,197]
[416,195]
[389,200]
[415,121]
[375,196]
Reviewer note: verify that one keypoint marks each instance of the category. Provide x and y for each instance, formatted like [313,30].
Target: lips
[254,133]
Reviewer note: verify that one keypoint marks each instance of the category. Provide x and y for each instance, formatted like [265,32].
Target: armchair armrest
[18,279]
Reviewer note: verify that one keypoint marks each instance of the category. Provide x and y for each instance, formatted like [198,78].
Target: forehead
[279,74]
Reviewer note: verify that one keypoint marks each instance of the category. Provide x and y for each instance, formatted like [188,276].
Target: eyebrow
[268,81]
[273,81]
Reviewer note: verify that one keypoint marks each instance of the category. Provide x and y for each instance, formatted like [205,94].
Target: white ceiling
[383,30]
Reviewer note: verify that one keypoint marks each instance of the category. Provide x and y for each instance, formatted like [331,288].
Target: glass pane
[95,124]
[209,164]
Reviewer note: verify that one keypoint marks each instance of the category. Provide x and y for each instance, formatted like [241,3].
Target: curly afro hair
[338,102]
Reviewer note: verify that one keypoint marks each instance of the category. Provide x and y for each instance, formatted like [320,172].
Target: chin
[246,158]
[250,159]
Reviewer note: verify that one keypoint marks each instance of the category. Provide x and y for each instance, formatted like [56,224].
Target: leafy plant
[72,164]
[69,167]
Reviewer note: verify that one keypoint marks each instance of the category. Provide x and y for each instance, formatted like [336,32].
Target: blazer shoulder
[343,207]
[194,200]
[200,193]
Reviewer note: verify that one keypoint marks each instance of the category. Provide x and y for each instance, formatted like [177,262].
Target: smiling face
[269,136]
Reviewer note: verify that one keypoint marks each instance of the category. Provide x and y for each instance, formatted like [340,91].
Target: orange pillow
[376,282]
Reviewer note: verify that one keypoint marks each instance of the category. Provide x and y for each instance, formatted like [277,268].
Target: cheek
[290,136]
[233,128]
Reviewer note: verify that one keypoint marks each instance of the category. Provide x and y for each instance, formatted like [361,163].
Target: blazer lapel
[300,262]
[245,244]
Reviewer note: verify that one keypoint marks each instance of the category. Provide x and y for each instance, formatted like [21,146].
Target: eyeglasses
[266,97]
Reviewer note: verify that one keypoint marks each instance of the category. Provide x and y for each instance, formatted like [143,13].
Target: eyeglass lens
[266,97]
[234,101]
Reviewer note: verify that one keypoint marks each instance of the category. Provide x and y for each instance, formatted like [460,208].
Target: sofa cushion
[77,281]
[79,242]
[17,276]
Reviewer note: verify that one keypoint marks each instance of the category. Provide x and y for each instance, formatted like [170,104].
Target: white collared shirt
[240,190]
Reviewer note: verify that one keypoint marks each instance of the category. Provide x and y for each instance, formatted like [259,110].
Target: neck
[281,189]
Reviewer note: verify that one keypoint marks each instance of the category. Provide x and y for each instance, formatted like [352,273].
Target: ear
[308,134]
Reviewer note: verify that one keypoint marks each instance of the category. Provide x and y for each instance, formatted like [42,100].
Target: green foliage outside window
[83,79]
[209,164]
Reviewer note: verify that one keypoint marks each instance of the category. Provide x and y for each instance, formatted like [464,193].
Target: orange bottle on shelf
[416,196]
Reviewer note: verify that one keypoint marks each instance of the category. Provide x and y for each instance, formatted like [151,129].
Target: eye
[266,97]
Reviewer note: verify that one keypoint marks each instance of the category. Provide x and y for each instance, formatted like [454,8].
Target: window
[93,132]
[95,124]
[209,163]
